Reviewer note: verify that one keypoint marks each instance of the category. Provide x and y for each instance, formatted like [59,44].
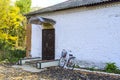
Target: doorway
[48,44]
[48,41]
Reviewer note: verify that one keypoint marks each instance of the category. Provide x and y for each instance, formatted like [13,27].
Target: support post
[28,40]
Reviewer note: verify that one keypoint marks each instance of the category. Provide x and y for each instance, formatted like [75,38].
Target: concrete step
[28,68]
[32,62]
[38,63]
[42,63]
[47,63]
[24,60]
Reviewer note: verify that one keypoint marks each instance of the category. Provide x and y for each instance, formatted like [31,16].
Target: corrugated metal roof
[69,4]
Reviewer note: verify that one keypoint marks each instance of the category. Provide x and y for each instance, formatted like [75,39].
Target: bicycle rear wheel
[71,63]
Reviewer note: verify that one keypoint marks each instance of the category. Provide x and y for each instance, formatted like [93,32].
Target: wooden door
[48,44]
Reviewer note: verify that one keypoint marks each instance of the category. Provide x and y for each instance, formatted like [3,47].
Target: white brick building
[89,28]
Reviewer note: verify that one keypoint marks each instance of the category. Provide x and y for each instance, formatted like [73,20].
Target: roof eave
[87,5]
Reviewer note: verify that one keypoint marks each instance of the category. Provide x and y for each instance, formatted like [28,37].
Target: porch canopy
[40,38]
[41,20]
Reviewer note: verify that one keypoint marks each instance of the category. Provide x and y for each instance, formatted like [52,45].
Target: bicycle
[67,63]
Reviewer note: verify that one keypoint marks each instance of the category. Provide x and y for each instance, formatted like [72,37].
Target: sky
[45,3]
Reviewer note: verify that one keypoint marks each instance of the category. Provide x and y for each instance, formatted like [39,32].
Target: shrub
[76,66]
[111,68]
[12,55]
[92,68]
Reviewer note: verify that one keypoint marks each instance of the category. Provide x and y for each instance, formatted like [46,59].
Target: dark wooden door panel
[48,44]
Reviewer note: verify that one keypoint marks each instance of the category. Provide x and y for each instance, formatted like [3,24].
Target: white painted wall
[36,41]
[92,35]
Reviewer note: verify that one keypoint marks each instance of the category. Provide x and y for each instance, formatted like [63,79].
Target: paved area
[28,68]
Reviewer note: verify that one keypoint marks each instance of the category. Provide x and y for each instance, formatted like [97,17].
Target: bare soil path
[56,73]
[9,73]
[53,73]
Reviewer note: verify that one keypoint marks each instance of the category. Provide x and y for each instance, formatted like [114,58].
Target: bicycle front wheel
[62,62]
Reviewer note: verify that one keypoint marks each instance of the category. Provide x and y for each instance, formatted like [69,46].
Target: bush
[112,68]
[76,66]
[12,55]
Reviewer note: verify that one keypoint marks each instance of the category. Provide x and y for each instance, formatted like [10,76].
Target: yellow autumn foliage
[10,22]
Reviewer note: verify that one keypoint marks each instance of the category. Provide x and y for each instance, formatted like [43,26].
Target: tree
[24,5]
[12,31]
[10,24]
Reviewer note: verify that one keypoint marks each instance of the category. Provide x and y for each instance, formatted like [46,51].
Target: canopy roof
[40,20]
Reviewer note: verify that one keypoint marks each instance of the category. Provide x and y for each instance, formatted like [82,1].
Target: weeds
[112,68]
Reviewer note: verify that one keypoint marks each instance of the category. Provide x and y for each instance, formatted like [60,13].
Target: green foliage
[24,5]
[12,32]
[4,61]
[76,66]
[10,25]
[111,68]
[12,56]
[15,55]
[92,69]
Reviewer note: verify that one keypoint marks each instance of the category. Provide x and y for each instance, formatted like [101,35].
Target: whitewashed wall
[36,41]
[93,35]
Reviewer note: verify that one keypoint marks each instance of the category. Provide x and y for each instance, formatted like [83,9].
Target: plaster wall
[92,34]
[36,41]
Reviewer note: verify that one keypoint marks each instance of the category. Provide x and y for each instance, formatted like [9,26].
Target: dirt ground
[52,73]
[9,73]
